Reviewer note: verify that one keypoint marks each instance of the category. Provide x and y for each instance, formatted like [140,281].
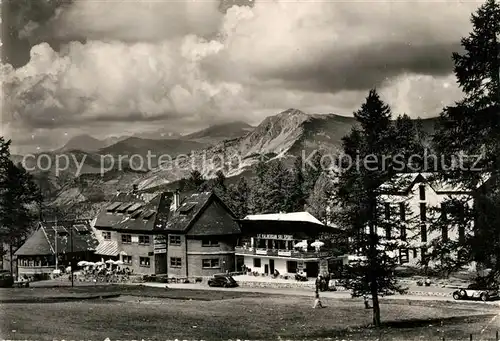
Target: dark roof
[134,214]
[42,241]
[202,214]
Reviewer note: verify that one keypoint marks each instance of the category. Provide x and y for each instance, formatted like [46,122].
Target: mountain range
[235,146]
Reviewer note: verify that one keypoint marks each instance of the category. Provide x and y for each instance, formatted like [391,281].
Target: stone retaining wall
[275,285]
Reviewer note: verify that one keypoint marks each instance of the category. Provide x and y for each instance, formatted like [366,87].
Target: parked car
[224,281]
[6,279]
[476,291]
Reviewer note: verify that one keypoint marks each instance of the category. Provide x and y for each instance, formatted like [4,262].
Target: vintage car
[6,279]
[224,281]
[476,292]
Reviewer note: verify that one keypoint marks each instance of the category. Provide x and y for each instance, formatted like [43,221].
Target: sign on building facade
[160,244]
[275,236]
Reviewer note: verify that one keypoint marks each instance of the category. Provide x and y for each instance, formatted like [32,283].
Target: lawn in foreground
[40,294]
[136,318]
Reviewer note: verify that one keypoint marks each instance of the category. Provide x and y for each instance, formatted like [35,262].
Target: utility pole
[72,254]
[55,242]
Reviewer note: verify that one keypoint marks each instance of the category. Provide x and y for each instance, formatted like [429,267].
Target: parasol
[317,244]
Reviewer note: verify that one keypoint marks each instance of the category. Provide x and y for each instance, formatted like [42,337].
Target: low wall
[285,285]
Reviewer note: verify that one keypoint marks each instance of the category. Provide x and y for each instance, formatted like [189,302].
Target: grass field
[140,313]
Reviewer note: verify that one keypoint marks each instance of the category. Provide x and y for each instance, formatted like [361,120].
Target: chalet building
[54,245]
[202,234]
[268,243]
[417,199]
[193,237]
[129,229]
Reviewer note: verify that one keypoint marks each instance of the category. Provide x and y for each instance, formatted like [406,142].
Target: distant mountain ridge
[289,134]
[219,132]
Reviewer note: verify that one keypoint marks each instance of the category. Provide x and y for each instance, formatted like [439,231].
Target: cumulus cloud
[186,62]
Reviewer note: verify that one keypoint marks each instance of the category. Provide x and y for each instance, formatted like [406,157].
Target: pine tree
[276,188]
[258,188]
[18,199]
[194,181]
[312,171]
[358,196]
[239,195]
[319,199]
[411,140]
[472,127]
[296,197]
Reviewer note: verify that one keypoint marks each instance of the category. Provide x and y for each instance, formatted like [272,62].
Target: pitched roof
[134,214]
[203,214]
[188,210]
[304,217]
[43,240]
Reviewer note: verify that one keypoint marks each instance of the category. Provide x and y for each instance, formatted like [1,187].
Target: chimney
[176,200]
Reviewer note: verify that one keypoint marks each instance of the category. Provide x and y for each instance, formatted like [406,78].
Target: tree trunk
[10,259]
[376,305]
[373,261]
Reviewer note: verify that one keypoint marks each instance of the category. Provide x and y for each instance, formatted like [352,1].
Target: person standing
[317,302]
[318,283]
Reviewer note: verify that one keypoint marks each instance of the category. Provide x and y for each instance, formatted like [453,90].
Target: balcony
[281,253]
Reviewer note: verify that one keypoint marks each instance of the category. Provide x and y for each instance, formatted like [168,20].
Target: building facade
[193,237]
[54,245]
[201,235]
[418,201]
[128,230]
[269,242]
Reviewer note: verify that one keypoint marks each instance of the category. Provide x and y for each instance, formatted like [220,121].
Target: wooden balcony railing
[282,253]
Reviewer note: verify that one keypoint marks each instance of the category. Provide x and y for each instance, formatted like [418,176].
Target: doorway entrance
[291,266]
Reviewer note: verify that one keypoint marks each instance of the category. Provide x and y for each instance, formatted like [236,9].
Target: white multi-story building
[417,200]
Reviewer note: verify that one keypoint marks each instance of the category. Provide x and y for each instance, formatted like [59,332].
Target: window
[106,235]
[423,212]
[423,254]
[461,223]
[126,238]
[256,262]
[144,261]
[403,233]
[388,232]
[127,259]
[175,262]
[210,264]
[461,233]
[444,233]
[402,211]
[423,232]
[444,211]
[387,211]
[403,256]
[174,240]
[144,240]
[209,242]
[422,192]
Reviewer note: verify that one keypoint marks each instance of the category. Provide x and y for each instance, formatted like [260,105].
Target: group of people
[105,274]
[325,283]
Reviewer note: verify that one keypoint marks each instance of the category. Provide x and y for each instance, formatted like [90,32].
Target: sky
[118,67]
